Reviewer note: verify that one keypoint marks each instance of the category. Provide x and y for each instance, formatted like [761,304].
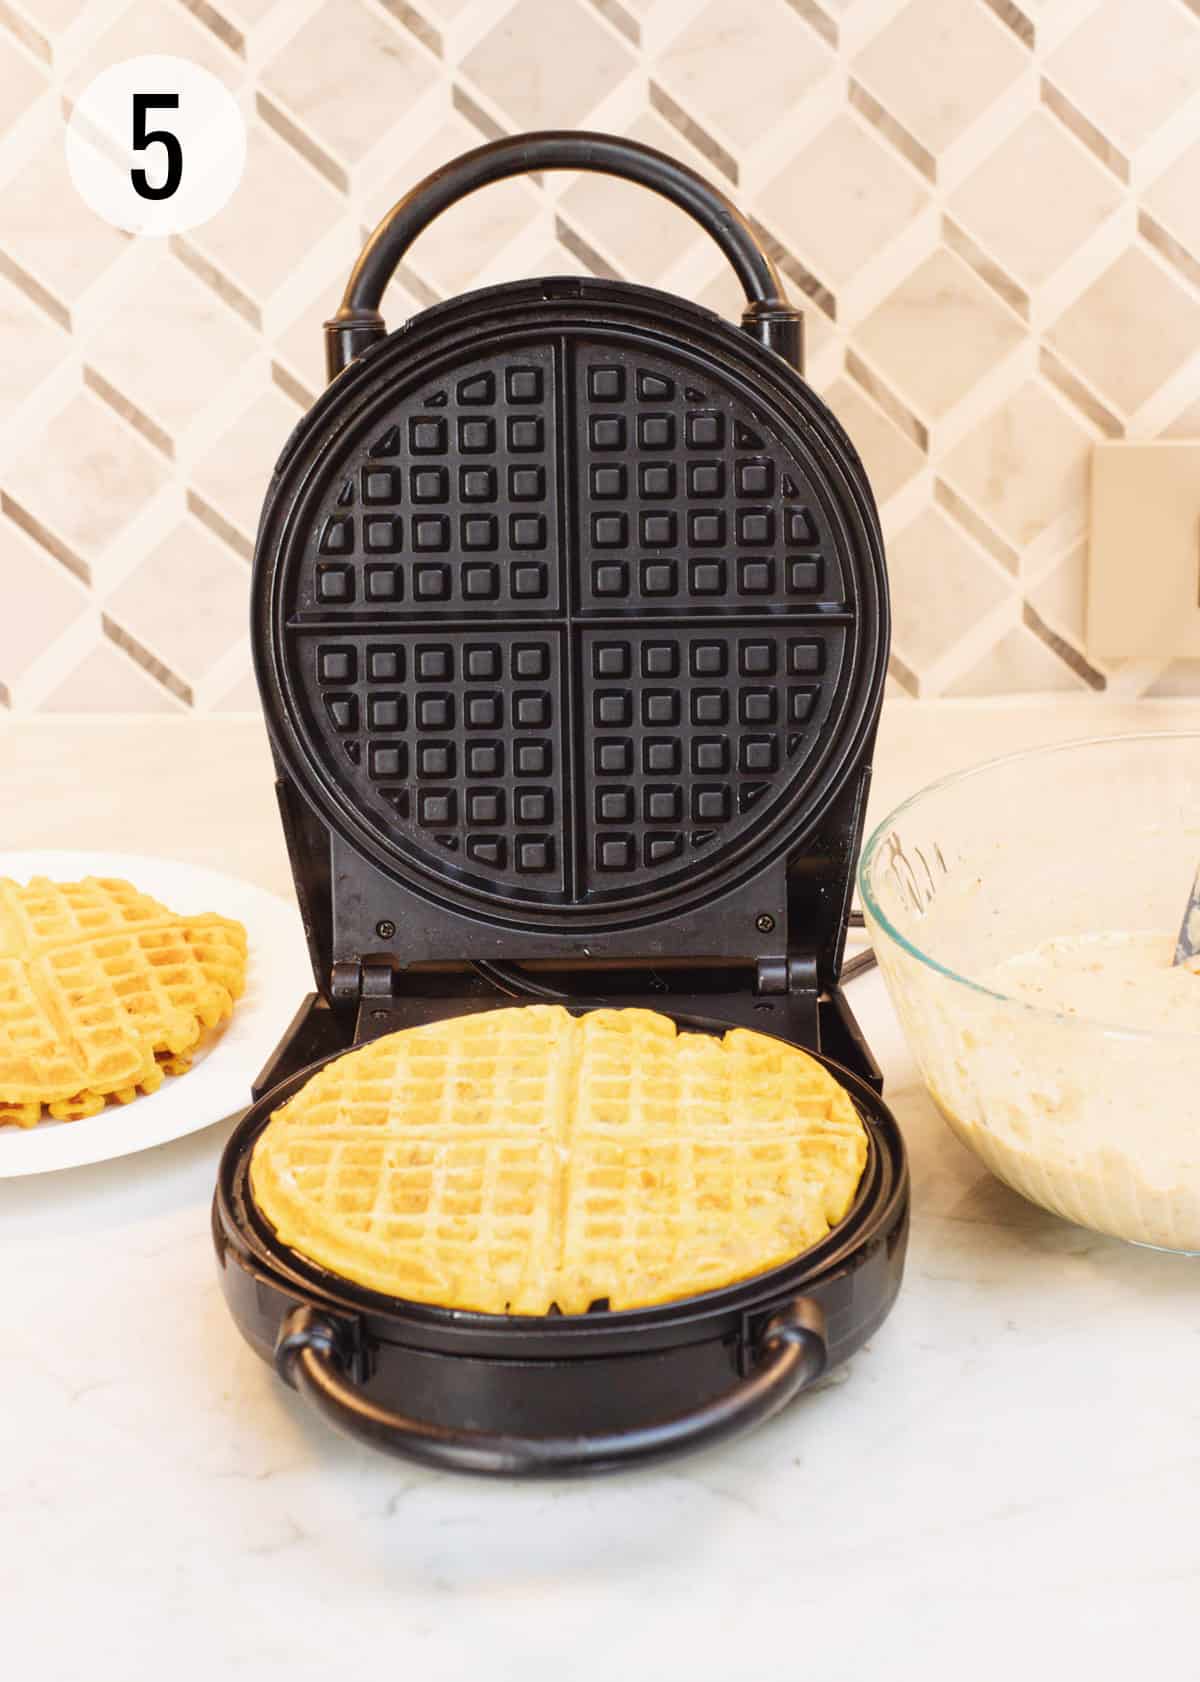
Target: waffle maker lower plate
[562,1393]
[570,622]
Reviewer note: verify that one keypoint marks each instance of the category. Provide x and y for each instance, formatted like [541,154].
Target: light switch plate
[1144,551]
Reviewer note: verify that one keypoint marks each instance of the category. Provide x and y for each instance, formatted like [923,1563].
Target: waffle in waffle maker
[570,620]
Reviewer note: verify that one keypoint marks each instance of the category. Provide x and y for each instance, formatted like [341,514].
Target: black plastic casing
[782,888]
[564,1376]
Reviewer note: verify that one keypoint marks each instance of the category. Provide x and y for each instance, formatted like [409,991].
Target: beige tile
[22,80]
[241,696]
[108,681]
[33,348]
[1130,331]
[85,476]
[941,587]
[149,26]
[54,17]
[347,76]
[938,66]
[939,332]
[451,252]
[300,343]
[51,602]
[1186,424]
[641,232]
[548,64]
[1061,596]
[1182,677]
[762,96]
[842,200]
[891,459]
[1129,67]
[47,229]
[281,209]
[246,13]
[1035,200]
[234,475]
[1018,664]
[170,344]
[189,566]
[1025,467]
[1174,199]
[712,65]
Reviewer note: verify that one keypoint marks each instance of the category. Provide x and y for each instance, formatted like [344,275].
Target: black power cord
[515,984]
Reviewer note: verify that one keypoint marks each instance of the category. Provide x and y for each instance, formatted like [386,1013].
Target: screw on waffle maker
[570,620]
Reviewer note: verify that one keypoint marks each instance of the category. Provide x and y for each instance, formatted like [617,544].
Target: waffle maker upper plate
[570,620]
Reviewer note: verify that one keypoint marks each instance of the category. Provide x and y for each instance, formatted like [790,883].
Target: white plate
[277,977]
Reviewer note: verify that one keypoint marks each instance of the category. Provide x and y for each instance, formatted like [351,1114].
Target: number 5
[143,137]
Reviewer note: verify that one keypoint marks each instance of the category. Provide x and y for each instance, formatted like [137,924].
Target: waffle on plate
[524,1158]
[102,992]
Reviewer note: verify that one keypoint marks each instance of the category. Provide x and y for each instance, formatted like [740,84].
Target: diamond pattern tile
[943,589]
[282,209]
[230,476]
[938,334]
[989,211]
[891,458]
[745,68]
[34,347]
[188,562]
[327,77]
[655,238]
[170,344]
[1036,200]
[1129,67]
[21,82]
[937,67]
[1173,199]
[548,65]
[83,480]
[1018,664]
[1131,331]
[1025,468]
[843,200]
[47,238]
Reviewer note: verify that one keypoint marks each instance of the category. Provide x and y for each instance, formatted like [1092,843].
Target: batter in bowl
[1079,1110]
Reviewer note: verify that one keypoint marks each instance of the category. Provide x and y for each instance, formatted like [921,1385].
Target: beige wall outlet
[1144,553]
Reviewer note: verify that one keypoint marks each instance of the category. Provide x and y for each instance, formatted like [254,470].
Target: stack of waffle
[102,992]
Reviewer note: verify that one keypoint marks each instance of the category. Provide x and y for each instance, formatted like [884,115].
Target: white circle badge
[156,144]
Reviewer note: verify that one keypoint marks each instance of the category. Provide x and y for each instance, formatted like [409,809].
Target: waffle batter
[1087,1117]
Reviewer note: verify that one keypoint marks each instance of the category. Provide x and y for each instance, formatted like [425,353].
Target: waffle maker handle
[768,316]
[312,1357]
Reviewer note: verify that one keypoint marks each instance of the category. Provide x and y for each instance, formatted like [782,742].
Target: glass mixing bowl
[1091,1111]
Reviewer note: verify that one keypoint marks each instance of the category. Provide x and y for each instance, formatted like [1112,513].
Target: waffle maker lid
[570,615]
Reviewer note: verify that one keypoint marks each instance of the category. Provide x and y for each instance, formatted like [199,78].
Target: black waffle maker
[570,620]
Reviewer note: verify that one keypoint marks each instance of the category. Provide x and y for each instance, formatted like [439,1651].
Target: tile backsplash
[990,209]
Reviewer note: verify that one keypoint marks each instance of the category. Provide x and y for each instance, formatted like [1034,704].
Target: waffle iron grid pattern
[570,625]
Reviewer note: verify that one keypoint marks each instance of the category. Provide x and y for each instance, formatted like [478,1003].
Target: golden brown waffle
[102,990]
[523,1158]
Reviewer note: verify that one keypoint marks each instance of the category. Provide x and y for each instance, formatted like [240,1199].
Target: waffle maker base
[560,1394]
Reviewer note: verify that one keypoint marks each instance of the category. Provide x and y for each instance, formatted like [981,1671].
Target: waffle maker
[570,621]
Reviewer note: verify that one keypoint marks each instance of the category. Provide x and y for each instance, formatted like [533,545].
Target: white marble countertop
[1004,1483]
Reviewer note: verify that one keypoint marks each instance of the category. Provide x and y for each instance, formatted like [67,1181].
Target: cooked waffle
[102,991]
[524,1158]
